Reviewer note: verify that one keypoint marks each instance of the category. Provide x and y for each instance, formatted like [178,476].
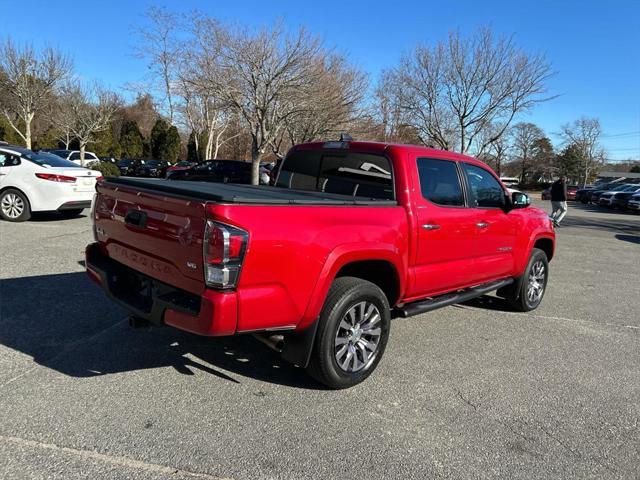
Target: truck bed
[242,194]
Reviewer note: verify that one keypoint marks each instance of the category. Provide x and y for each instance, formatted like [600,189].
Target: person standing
[558,200]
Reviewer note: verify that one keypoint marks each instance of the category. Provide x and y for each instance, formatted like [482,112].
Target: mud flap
[298,346]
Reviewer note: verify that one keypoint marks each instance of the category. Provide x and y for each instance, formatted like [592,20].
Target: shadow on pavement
[66,323]
[42,217]
[487,302]
[613,225]
[629,238]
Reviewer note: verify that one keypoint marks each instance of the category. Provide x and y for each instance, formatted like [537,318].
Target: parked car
[151,168]
[184,165]
[351,234]
[634,203]
[601,187]
[581,193]
[603,198]
[510,182]
[620,199]
[220,171]
[128,166]
[37,182]
[109,160]
[74,155]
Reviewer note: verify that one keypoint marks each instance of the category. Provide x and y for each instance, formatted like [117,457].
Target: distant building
[621,176]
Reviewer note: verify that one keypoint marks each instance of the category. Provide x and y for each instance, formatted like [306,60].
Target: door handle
[430,226]
[482,224]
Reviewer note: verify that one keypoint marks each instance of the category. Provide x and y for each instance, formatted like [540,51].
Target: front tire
[352,333]
[533,283]
[14,206]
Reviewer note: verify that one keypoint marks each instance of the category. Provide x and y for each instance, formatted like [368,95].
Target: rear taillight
[52,177]
[223,252]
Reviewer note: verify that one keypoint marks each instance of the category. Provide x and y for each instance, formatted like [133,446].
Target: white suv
[74,156]
[35,182]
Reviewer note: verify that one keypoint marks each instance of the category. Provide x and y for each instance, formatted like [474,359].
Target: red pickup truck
[351,235]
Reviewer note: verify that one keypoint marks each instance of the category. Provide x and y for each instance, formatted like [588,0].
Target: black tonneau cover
[242,194]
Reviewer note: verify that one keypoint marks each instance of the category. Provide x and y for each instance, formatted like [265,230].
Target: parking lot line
[111,459]
[563,319]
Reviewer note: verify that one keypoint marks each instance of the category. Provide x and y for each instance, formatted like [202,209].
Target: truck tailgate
[158,235]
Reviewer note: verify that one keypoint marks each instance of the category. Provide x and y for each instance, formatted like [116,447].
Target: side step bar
[433,303]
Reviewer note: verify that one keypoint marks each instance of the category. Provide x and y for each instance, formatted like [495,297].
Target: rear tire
[71,213]
[352,334]
[14,206]
[533,283]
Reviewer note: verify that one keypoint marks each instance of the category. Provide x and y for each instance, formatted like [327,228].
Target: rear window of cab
[349,173]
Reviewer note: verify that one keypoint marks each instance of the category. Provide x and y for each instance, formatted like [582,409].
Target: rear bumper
[210,313]
[75,205]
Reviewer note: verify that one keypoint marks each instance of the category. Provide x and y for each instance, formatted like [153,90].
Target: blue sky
[593,46]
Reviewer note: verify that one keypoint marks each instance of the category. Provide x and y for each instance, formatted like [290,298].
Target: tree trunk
[83,146]
[27,133]
[255,160]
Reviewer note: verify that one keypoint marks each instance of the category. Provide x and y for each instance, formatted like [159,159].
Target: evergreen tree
[568,162]
[131,140]
[543,160]
[158,139]
[171,150]
[8,134]
[164,141]
[192,148]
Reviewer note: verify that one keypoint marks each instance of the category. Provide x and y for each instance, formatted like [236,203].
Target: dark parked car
[151,168]
[109,160]
[581,193]
[128,166]
[617,187]
[221,171]
[633,203]
[585,194]
[621,199]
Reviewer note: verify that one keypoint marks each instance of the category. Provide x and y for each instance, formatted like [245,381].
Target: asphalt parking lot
[469,391]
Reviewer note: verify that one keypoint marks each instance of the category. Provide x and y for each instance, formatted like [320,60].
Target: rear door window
[440,182]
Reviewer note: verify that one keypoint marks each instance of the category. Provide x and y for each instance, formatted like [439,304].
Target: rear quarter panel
[294,253]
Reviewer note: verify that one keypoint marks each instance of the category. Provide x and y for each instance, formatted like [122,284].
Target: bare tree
[264,75]
[161,48]
[63,117]
[497,152]
[525,136]
[204,114]
[585,134]
[453,92]
[28,80]
[93,109]
[332,103]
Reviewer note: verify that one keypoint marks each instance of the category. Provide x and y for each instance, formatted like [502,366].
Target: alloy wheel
[537,277]
[12,205]
[358,337]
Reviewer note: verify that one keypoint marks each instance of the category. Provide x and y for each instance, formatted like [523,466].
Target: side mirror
[520,200]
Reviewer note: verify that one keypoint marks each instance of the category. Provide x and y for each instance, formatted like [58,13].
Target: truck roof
[381,147]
